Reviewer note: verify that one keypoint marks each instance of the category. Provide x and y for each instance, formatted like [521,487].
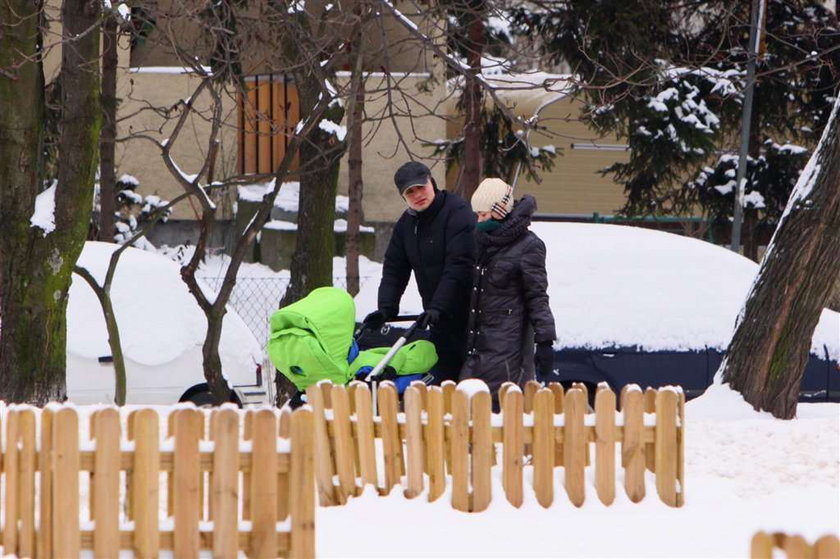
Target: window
[269,110]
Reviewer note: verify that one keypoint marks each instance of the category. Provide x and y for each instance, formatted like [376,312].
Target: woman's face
[484,216]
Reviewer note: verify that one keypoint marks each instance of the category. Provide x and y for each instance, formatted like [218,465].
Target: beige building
[153,85]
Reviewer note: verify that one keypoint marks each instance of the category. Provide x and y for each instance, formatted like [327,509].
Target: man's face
[419,197]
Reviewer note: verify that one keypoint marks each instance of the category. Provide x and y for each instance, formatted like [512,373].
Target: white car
[162,331]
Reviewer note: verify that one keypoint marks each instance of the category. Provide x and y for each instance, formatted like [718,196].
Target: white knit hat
[492,195]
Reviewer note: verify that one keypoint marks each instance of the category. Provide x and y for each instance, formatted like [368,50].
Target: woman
[509,309]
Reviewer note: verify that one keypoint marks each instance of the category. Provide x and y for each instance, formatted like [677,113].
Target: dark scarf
[513,226]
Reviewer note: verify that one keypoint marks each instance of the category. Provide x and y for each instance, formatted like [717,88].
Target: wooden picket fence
[445,432]
[768,546]
[210,483]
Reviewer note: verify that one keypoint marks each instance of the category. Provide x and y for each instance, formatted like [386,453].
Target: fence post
[106,483]
[632,445]
[543,446]
[483,451]
[513,445]
[225,483]
[391,440]
[187,427]
[10,467]
[65,471]
[435,447]
[145,487]
[263,485]
[666,446]
[324,465]
[826,547]
[44,536]
[413,400]
[575,445]
[344,447]
[365,435]
[650,446]
[605,444]
[460,450]
[559,396]
[28,466]
[301,481]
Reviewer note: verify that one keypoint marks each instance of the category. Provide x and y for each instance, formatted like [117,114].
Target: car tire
[201,399]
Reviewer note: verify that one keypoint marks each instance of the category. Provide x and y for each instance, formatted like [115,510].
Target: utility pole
[756,33]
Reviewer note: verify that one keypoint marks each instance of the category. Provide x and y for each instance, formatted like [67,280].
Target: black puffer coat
[437,244]
[509,304]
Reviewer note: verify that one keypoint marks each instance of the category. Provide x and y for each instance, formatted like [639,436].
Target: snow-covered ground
[744,472]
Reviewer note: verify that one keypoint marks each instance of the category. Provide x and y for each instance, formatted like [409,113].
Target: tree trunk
[107,172]
[37,268]
[769,350]
[213,362]
[311,264]
[355,181]
[471,174]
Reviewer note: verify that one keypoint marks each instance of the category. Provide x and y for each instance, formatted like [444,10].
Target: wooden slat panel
[365,435]
[435,443]
[343,444]
[27,460]
[10,467]
[513,446]
[575,445]
[413,400]
[65,470]
[187,428]
[225,485]
[145,486]
[263,485]
[605,445]
[264,151]
[632,446]
[279,125]
[391,441]
[460,451]
[302,501]
[482,451]
[44,537]
[250,129]
[543,446]
[666,446]
[106,483]
[323,465]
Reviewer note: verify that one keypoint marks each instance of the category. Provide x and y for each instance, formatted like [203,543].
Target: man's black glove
[544,359]
[376,319]
[428,319]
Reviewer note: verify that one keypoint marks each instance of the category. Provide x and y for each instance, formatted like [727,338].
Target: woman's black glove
[544,359]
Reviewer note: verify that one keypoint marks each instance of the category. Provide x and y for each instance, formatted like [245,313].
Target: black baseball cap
[411,174]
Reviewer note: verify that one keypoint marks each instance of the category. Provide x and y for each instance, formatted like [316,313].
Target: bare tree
[36,264]
[767,355]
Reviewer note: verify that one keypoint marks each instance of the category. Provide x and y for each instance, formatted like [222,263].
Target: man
[434,239]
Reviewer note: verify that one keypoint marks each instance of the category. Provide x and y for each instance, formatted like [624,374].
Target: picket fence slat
[106,482]
[513,446]
[129,480]
[414,441]
[344,451]
[445,431]
[186,427]
[605,445]
[482,451]
[434,440]
[778,544]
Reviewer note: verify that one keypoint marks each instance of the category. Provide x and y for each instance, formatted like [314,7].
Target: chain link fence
[255,298]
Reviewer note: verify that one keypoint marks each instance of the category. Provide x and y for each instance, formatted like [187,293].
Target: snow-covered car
[162,331]
[635,305]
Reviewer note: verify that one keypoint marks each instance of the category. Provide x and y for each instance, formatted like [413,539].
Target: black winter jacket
[509,308]
[437,245]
